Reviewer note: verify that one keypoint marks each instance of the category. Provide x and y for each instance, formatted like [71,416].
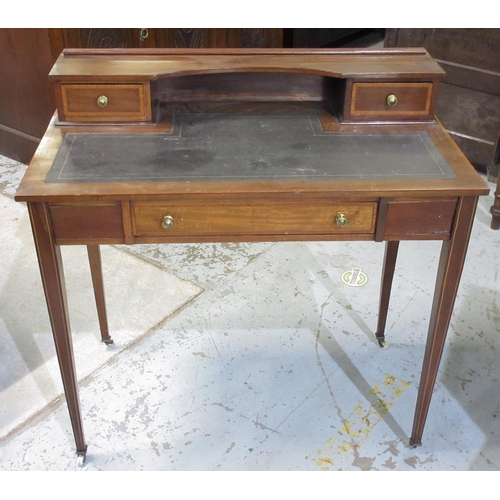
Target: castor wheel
[80,459]
[382,343]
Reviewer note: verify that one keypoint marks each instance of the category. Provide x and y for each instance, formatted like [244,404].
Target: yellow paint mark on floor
[363,419]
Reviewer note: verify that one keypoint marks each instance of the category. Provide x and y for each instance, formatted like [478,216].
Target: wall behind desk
[27,97]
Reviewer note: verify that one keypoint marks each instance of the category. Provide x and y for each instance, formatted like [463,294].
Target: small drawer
[102,102]
[152,219]
[391,100]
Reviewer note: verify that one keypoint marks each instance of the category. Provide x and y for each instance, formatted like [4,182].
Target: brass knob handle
[143,34]
[341,220]
[167,222]
[102,101]
[391,100]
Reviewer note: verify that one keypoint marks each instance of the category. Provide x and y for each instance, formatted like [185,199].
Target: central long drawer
[285,218]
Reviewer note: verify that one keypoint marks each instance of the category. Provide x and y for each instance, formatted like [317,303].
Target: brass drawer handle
[341,220]
[143,34]
[102,101]
[391,100]
[167,222]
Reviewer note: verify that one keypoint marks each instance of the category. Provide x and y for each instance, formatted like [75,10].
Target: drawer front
[100,222]
[417,219]
[253,219]
[391,100]
[101,102]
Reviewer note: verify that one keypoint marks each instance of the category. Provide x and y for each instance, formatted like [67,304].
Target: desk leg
[51,269]
[94,253]
[391,254]
[448,278]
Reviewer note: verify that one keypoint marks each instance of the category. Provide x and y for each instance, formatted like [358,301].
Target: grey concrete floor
[248,357]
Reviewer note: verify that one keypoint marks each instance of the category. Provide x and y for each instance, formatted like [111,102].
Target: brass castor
[382,343]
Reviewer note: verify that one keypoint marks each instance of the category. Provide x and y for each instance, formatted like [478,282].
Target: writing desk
[167,146]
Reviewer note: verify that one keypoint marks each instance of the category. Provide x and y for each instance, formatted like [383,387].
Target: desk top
[435,167]
[246,147]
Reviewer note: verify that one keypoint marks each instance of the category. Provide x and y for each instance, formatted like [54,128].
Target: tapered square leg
[391,254]
[51,269]
[448,278]
[94,254]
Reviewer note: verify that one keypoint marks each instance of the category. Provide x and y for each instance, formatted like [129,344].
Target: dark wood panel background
[166,37]
[27,97]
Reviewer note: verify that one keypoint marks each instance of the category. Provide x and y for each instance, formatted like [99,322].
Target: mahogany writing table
[168,146]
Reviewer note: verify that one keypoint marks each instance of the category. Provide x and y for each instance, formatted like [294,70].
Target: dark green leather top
[219,147]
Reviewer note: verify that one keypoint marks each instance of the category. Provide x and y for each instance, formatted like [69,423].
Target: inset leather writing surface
[219,147]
